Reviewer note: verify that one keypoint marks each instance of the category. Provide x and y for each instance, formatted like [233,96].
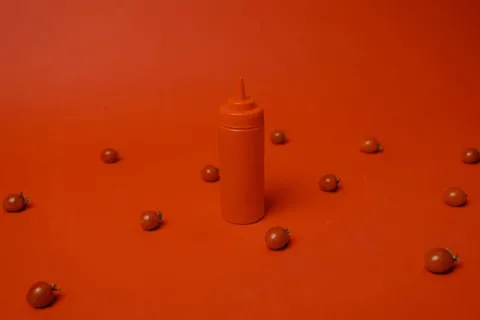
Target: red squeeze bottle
[241,158]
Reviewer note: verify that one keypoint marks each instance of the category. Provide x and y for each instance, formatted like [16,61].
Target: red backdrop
[147,78]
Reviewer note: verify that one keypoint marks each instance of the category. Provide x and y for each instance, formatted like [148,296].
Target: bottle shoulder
[253,117]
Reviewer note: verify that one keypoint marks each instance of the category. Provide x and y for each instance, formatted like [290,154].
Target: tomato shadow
[291,243]
[161,226]
[287,246]
[458,265]
[58,298]
[338,189]
[218,180]
[449,271]
[463,205]
[28,206]
[279,145]
[372,154]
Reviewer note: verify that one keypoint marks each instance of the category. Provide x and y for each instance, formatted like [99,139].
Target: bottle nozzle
[240,102]
[240,94]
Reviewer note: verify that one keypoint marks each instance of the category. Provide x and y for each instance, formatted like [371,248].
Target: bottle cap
[241,111]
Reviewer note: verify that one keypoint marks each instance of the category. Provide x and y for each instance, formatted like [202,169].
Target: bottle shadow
[278,197]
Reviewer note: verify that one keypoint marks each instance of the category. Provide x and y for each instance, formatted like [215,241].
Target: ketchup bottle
[241,158]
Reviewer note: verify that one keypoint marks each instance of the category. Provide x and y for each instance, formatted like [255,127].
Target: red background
[147,78]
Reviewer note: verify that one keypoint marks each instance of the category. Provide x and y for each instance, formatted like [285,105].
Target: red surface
[147,77]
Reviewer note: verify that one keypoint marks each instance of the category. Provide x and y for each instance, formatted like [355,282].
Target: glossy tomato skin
[455,197]
[370,145]
[440,260]
[41,295]
[210,173]
[278,137]
[471,156]
[151,220]
[277,238]
[329,183]
[15,202]
[109,155]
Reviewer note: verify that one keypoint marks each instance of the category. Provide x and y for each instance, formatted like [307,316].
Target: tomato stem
[160,215]
[455,257]
[380,147]
[287,231]
[338,180]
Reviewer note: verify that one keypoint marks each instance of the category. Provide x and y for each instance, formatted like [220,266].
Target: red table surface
[148,77]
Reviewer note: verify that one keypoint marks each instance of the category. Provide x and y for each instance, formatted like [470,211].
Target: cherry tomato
[277,238]
[440,260]
[151,220]
[370,145]
[15,202]
[278,137]
[210,173]
[329,183]
[455,197]
[471,156]
[41,294]
[109,155]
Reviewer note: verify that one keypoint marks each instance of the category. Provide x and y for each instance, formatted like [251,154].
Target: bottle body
[241,160]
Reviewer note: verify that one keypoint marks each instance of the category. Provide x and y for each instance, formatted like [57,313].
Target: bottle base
[244,223]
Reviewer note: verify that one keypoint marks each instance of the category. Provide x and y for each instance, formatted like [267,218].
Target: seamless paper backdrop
[147,78]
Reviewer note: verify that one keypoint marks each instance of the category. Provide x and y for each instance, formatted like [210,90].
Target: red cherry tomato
[440,260]
[109,155]
[210,173]
[41,294]
[278,137]
[277,238]
[15,202]
[370,145]
[151,220]
[455,197]
[329,183]
[471,156]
